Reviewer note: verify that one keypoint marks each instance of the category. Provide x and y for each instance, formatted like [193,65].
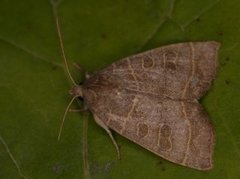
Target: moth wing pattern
[177,131]
[151,99]
[178,71]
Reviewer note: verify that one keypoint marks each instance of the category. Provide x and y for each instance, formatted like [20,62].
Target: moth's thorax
[76,91]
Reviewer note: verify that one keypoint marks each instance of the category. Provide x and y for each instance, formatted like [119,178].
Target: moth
[151,98]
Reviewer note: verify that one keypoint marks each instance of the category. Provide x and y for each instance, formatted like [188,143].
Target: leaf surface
[34,88]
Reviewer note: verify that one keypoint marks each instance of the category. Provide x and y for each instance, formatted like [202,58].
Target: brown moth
[152,99]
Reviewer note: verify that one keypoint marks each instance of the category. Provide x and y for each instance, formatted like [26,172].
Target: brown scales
[152,99]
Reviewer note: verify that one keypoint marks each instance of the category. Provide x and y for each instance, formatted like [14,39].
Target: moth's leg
[77,66]
[76,110]
[79,110]
[100,123]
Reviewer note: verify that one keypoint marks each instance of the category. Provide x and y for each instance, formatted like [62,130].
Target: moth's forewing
[151,99]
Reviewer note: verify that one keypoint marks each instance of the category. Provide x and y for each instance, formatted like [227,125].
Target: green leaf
[34,87]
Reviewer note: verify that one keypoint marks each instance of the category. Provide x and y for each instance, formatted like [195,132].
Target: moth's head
[76,91]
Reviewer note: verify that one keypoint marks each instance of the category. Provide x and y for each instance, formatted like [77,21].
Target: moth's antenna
[54,4]
[64,117]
